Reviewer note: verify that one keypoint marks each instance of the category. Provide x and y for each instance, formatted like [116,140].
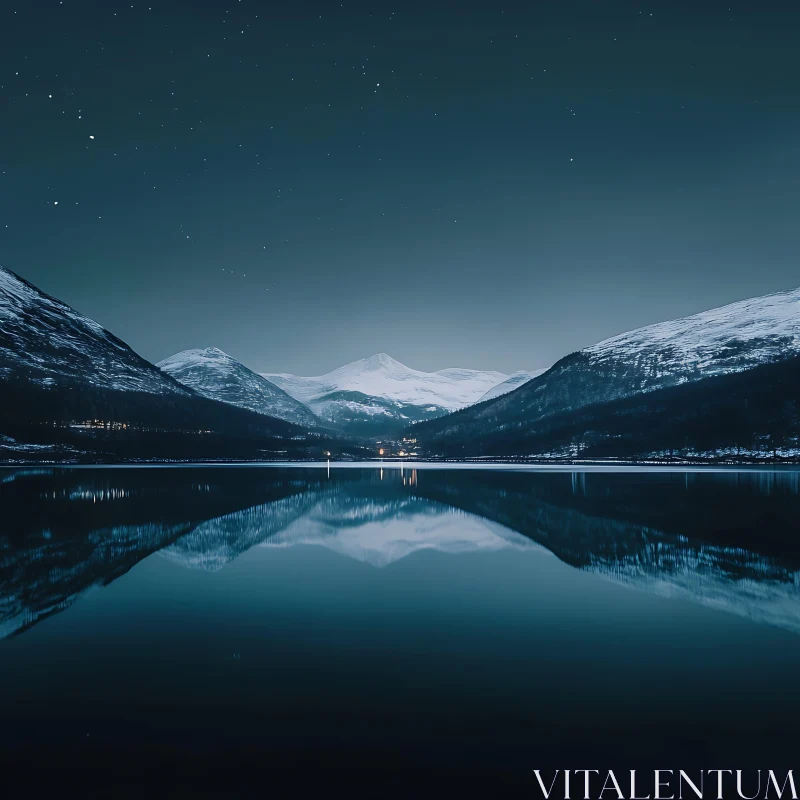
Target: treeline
[141,425]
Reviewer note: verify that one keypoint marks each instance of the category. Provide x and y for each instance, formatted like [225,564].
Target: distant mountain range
[379,395]
[68,384]
[376,396]
[721,383]
[677,377]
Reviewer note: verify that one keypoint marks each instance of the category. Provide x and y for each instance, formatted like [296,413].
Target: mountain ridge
[514,381]
[213,373]
[47,341]
[380,394]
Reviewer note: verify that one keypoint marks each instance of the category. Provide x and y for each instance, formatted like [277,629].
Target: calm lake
[205,621]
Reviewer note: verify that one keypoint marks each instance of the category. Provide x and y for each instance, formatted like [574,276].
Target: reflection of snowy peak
[712,578]
[649,534]
[374,529]
[107,553]
[382,542]
[377,391]
[215,374]
[214,543]
[380,529]
[45,341]
[728,579]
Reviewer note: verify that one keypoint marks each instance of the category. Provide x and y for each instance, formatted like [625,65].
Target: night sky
[470,184]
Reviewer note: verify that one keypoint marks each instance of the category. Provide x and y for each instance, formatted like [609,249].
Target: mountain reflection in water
[721,539]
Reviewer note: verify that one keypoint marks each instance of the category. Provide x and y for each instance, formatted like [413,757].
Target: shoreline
[595,465]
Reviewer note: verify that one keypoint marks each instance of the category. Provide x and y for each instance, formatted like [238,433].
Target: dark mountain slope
[748,414]
[730,339]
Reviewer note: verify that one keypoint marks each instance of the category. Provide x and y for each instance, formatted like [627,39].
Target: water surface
[440,622]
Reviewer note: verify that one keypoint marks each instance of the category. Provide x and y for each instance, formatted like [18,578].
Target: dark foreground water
[200,629]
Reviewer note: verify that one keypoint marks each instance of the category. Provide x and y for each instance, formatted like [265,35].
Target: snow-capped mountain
[514,381]
[215,374]
[734,338]
[379,394]
[44,341]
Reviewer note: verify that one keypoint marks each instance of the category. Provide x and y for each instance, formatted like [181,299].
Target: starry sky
[471,184]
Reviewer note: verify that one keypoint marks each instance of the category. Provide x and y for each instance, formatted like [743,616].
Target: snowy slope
[215,374]
[512,382]
[379,391]
[45,341]
[383,376]
[734,337]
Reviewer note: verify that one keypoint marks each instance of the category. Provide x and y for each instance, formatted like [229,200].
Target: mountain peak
[215,351]
[195,356]
[212,373]
[382,361]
